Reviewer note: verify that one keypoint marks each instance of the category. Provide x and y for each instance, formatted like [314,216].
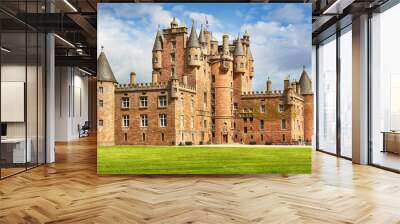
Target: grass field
[202,160]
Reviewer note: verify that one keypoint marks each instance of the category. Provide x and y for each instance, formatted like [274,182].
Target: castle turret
[239,57]
[193,48]
[305,82]
[106,93]
[251,62]
[157,51]
[174,23]
[306,91]
[203,41]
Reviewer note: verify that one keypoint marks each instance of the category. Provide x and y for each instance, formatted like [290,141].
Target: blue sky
[280,35]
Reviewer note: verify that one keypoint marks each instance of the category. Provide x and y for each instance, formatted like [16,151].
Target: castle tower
[106,114]
[223,86]
[203,42]
[239,58]
[157,56]
[308,96]
[193,48]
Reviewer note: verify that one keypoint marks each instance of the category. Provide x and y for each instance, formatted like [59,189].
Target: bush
[181,144]
[188,143]
[252,142]
[268,142]
[209,142]
[201,143]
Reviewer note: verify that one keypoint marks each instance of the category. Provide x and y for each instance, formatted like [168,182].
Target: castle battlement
[262,93]
[187,87]
[142,86]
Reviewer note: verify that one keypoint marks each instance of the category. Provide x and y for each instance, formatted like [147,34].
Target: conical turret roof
[193,40]
[158,41]
[239,48]
[174,23]
[305,82]
[104,71]
[202,38]
[250,55]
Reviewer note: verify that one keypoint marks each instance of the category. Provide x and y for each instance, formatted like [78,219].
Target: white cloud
[278,51]
[201,18]
[291,13]
[126,47]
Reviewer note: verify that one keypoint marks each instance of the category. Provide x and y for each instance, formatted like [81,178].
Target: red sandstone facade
[201,93]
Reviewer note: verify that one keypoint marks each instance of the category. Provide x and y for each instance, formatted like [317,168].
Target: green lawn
[202,160]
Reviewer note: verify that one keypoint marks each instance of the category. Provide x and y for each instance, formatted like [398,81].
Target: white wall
[71,102]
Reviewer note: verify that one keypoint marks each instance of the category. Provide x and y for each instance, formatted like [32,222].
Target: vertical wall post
[360,89]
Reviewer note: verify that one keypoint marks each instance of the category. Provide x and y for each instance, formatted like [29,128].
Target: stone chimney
[225,44]
[154,77]
[286,83]
[269,85]
[133,78]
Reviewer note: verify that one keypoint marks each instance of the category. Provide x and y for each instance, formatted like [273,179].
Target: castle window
[235,136]
[143,120]
[245,119]
[100,103]
[205,123]
[125,121]
[155,60]
[261,124]
[281,108]
[235,106]
[182,102]
[251,136]
[245,130]
[192,104]
[163,120]
[143,137]
[125,102]
[262,109]
[283,124]
[205,99]
[143,101]
[251,119]
[100,123]
[162,136]
[162,101]
[173,45]
[101,90]
[241,65]
[182,121]
[283,138]
[262,137]
[173,58]
[126,136]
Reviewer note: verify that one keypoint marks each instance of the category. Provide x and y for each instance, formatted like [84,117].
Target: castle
[201,93]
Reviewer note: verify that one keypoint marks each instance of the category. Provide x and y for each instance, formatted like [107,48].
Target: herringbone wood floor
[70,191]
